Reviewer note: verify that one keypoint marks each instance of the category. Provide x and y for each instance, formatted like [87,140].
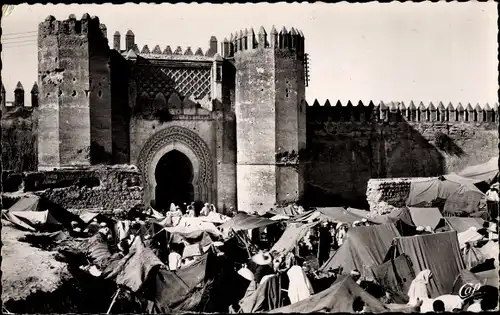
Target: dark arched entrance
[174,177]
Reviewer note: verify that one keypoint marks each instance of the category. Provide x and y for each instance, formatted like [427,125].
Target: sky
[390,52]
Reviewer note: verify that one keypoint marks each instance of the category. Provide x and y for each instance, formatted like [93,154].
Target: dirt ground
[26,269]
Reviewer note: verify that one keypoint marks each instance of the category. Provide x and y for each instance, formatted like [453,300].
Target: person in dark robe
[325,243]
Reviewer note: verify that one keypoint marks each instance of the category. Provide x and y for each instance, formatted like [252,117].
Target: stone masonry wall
[349,145]
[94,188]
[19,145]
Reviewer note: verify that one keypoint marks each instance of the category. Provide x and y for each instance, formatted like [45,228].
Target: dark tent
[364,246]
[336,299]
[438,252]
[396,276]
[196,288]
[460,224]
[266,297]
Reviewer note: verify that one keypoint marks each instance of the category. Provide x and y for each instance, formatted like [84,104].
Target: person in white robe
[418,287]
[300,287]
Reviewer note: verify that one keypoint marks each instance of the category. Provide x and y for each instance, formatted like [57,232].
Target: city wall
[106,188]
[348,145]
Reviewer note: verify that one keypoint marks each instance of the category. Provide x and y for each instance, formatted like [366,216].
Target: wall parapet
[399,111]
[247,39]
[86,25]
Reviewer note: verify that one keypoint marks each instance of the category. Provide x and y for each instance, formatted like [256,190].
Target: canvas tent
[438,252]
[243,221]
[336,299]
[400,217]
[289,239]
[332,214]
[289,211]
[396,276]
[364,246]
[486,172]
[426,216]
[460,224]
[26,203]
[460,193]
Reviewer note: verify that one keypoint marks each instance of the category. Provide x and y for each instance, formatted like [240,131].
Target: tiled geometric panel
[184,81]
[195,82]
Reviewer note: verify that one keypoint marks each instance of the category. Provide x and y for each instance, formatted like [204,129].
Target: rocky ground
[26,269]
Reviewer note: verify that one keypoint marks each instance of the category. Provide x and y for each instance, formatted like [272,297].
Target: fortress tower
[74,104]
[270,112]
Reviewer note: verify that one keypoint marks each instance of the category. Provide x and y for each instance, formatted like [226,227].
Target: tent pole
[113,301]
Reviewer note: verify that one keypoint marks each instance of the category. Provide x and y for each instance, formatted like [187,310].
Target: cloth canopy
[188,225]
[333,214]
[484,172]
[400,217]
[488,277]
[133,270]
[473,257]
[463,195]
[336,299]
[292,235]
[490,251]
[460,224]
[32,218]
[266,297]
[27,203]
[426,216]
[244,221]
[395,275]
[289,211]
[440,253]
[468,236]
[364,246]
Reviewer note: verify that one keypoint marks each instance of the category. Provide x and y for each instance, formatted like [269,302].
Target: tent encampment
[438,252]
[486,172]
[338,298]
[364,246]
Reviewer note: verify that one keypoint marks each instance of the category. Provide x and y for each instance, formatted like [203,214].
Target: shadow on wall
[348,145]
[446,144]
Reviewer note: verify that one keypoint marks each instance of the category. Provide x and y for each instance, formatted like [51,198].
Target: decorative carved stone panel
[183,80]
[188,81]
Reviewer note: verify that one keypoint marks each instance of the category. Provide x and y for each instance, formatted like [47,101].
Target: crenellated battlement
[247,39]
[399,111]
[167,53]
[19,98]
[87,25]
